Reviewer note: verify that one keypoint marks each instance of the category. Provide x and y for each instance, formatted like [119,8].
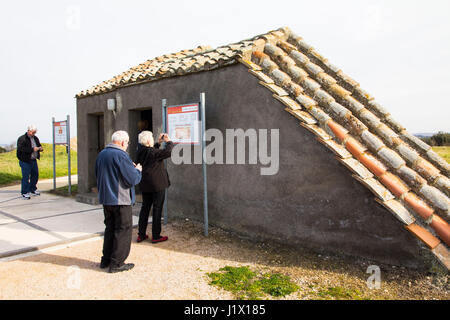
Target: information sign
[183,124]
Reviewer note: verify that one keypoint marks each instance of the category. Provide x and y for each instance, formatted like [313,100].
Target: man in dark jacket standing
[116,177]
[154,182]
[28,151]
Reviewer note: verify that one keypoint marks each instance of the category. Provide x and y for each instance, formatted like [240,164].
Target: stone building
[351,179]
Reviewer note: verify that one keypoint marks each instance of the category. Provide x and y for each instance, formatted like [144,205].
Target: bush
[439,139]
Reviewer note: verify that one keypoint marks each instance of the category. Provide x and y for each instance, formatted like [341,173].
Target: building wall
[312,201]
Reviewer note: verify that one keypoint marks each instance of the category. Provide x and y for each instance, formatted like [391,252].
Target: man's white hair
[144,137]
[31,127]
[120,136]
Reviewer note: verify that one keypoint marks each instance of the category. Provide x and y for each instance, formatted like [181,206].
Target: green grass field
[444,152]
[10,171]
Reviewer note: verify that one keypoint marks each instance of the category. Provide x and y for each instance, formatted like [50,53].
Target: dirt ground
[177,269]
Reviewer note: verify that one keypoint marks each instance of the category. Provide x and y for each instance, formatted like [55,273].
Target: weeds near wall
[247,284]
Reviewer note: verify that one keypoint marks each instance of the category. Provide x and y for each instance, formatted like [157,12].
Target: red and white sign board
[60,129]
[183,125]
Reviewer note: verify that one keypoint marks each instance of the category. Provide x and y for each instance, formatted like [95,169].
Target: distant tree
[439,139]
[10,147]
[2,150]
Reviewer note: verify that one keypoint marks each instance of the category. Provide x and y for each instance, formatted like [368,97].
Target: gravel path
[177,269]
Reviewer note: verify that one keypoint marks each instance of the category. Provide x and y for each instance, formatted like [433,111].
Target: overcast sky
[397,50]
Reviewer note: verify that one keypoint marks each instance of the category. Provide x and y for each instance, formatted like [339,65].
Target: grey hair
[120,136]
[31,127]
[144,137]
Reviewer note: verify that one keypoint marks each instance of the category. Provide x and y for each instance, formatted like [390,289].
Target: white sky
[398,50]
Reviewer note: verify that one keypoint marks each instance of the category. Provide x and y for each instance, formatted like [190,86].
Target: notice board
[183,124]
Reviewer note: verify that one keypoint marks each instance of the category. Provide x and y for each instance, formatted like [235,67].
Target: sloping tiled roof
[405,175]
[201,58]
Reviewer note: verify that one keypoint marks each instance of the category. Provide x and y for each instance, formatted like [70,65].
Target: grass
[247,284]
[340,293]
[10,171]
[64,191]
[444,152]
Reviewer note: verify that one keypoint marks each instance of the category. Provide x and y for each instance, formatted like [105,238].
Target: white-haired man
[28,151]
[116,177]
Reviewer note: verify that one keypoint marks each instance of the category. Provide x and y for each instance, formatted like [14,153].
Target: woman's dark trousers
[155,199]
[118,231]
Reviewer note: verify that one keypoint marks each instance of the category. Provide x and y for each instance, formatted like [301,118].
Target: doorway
[96,143]
[139,120]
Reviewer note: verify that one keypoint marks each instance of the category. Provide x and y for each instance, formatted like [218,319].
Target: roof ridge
[126,77]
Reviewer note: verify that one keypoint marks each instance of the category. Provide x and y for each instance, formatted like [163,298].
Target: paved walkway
[46,220]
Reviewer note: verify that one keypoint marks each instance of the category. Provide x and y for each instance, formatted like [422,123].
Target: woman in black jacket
[154,182]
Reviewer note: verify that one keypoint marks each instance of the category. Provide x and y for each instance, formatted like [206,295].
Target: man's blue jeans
[30,176]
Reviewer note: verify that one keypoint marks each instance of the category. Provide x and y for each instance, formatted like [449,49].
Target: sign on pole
[60,130]
[61,136]
[185,124]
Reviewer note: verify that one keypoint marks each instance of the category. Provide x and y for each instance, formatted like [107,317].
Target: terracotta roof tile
[424,235]
[356,166]
[401,214]
[291,104]
[317,131]
[337,148]
[302,116]
[274,88]
[443,254]
[261,76]
[418,205]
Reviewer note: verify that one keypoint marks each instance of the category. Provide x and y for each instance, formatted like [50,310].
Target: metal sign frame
[202,119]
[67,144]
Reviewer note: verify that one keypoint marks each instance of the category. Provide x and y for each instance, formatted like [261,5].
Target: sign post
[205,187]
[164,107]
[68,155]
[54,164]
[61,135]
[181,122]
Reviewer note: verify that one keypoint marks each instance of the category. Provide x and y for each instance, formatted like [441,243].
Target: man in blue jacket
[116,177]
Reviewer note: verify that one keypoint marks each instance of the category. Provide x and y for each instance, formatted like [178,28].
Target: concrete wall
[313,201]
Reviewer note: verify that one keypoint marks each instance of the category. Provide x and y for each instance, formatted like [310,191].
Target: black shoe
[124,267]
[104,264]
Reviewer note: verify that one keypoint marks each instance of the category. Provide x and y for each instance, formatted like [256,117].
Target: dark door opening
[139,120]
[101,133]
[96,143]
[145,123]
